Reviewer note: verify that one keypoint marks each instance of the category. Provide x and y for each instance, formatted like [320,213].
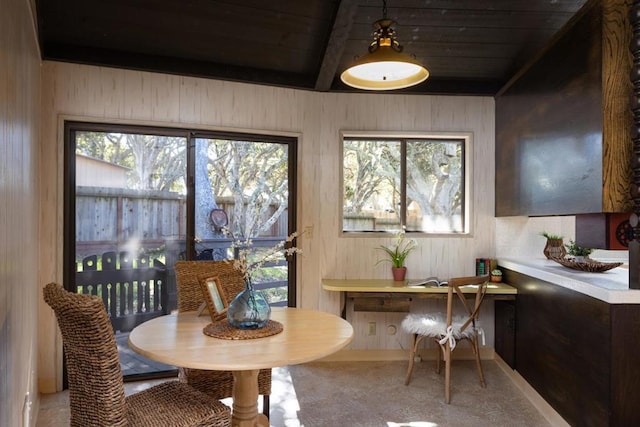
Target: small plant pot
[554,249]
[496,279]
[399,273]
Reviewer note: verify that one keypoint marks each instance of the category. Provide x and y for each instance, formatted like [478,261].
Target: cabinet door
[505,327]
[563,348]
[549,129]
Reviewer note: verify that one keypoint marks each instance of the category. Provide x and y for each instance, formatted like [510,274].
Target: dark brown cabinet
[563,140]
[581,354]
[505,331]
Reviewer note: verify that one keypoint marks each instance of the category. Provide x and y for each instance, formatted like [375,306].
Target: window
[413,182]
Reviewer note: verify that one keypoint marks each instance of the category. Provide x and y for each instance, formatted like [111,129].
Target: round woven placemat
[225,331]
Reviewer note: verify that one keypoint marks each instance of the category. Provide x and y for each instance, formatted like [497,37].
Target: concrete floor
[371,394]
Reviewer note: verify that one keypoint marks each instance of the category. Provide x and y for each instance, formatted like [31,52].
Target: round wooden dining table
[178,339]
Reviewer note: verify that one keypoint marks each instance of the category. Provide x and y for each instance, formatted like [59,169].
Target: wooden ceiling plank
[238,34]
[409,18]
[339,34]
[554,6]
[426,33]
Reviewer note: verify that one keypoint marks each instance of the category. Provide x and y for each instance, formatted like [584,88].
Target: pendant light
[385,66]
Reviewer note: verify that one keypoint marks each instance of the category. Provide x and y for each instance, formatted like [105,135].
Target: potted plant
[554,247]
[496,275]
[397,254]
[581,254]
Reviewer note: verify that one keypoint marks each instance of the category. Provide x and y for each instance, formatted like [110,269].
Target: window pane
[371,191]
[435,186]
[411,183]
[243,186]
[130,226]
[130,191]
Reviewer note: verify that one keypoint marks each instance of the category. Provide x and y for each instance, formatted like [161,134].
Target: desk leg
[245,401]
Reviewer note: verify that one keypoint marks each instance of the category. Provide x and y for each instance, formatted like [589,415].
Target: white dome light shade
[385,66]
[391,71]
[384,69]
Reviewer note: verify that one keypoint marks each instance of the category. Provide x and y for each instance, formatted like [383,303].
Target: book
[484,266]
[429,281]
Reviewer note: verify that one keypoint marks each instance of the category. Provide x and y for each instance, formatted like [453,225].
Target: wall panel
[19,114]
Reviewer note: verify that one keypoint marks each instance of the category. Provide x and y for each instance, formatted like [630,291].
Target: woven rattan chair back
[446,330]
[96,388]
[189,274]
[217,384]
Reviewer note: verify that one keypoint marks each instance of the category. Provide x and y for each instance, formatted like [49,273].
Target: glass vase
[249,309]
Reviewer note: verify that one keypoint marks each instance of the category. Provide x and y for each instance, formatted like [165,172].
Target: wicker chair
[446,329]
[217,384]
[96,387]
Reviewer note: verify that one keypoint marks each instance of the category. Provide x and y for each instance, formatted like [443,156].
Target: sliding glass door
[137,199]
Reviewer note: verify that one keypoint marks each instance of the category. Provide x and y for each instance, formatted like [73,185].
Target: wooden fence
[136,289]
[132,290]
[109,219]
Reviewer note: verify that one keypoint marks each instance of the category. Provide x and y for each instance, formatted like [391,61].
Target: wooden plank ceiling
[469,46]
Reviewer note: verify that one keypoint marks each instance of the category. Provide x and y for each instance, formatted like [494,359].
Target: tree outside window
[411,183]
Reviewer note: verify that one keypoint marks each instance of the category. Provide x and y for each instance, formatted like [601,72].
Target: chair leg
[265,405]
[447,372]
[439,357]
[476,350]
[412,354]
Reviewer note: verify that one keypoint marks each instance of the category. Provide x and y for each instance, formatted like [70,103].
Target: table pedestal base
[245,401]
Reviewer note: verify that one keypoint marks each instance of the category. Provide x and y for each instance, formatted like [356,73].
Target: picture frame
[214,297]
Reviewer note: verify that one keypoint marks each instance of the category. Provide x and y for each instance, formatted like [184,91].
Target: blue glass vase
[249,309]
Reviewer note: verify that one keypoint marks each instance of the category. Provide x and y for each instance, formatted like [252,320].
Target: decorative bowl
[589,265]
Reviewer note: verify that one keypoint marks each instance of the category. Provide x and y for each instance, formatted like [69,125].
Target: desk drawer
[381,304]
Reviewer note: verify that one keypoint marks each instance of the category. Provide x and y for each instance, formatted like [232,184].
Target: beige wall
[19,109]
[112,95]
[519,236]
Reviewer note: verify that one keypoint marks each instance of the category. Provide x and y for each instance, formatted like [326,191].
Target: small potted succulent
[496,275]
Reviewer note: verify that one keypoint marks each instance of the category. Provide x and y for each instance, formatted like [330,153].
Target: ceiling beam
[169,65]
[335,46]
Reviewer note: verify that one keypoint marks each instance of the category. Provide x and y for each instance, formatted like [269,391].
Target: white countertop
[610,286]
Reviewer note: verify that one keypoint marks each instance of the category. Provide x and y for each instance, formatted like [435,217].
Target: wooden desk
[389,295]
[178,340]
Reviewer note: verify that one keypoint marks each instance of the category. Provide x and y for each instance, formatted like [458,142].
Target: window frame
[466,138]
